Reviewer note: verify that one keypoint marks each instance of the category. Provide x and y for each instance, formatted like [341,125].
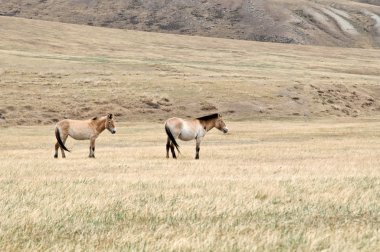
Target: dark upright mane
[208,117]
[95,118]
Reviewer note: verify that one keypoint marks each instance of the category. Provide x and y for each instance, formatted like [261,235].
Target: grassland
[264,186]
[307,180]
[49,71]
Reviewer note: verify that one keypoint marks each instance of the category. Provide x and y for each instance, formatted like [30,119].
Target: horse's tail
[171,137]
[58,136]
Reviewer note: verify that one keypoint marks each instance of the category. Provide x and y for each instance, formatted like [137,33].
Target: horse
[82,130]
[187,130]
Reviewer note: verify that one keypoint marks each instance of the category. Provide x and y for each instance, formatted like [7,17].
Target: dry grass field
[299,169]
[264,186]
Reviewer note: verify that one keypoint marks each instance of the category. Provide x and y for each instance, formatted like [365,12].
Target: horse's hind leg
[64,138]
[56,147]
[167,147]
[173,151]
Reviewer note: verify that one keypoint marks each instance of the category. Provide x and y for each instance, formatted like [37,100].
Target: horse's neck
[208,124]
[100,124]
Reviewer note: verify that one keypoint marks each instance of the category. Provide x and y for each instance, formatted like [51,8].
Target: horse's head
[220,125]
[110,124]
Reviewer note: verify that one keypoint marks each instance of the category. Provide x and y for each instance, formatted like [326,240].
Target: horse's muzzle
[113,131]
[225,130]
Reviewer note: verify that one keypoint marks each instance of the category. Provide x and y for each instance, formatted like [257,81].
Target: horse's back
[73,123]
[173,120]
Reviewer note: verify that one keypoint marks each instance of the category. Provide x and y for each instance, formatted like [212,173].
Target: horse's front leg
[92,148]
[197,147]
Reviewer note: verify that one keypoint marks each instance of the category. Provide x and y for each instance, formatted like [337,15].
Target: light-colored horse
[82,130]
[187,130]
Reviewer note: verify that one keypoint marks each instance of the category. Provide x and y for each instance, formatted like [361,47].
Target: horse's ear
[110,116]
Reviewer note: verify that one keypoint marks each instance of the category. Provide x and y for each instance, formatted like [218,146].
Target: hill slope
[50,71]
[340,23]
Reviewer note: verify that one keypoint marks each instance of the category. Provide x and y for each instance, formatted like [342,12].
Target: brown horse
[187,130]
[82,130]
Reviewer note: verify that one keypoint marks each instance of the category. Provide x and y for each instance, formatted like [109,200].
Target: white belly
[187,134]
[83,134]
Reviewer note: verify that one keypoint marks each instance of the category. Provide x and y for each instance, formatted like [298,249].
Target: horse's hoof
[55,156]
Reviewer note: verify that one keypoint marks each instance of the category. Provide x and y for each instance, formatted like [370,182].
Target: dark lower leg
[56,147]
[92,149]
[197,152]
[167,148]
[64,142]
[63,153]
[92,152]
[173,151]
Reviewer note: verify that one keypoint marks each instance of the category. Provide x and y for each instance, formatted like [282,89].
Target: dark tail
[171,137]
[58,136]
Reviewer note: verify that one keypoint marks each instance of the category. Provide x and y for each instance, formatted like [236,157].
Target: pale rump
[186,130]
[82,130]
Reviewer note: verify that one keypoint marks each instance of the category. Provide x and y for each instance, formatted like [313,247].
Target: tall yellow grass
[265,186]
